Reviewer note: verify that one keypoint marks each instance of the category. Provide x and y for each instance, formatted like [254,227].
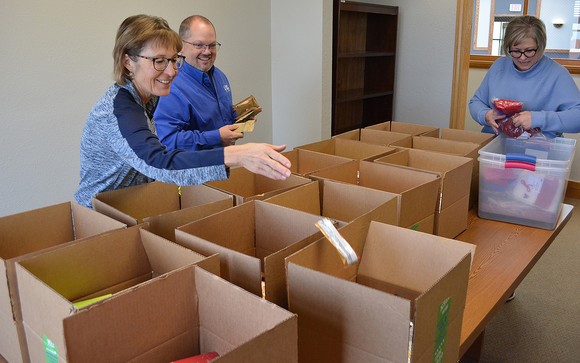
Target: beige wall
[476,75]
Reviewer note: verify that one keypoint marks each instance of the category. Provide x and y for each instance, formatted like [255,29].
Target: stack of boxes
[238,267]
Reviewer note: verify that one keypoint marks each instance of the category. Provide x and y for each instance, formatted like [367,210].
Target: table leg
[473,354]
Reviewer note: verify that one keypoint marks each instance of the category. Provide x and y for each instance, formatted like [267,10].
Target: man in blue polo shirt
[198,113]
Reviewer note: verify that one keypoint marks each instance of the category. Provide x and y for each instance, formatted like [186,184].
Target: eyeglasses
[518,53]
[161,63]
[200,46]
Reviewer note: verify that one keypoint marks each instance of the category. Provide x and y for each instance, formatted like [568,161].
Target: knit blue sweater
[119,148]
[546,89]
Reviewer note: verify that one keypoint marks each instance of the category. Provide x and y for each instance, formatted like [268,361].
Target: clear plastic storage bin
[524,181]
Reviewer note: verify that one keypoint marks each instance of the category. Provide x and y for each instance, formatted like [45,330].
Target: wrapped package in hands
[511,108]
[246,111]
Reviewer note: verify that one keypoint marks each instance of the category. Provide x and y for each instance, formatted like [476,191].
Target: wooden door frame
[464,18]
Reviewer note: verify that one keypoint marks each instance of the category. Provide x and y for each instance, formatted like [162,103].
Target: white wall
[424,69]
[57,62]
[301,70]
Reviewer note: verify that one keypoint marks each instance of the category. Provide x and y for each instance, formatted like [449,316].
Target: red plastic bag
[508,107]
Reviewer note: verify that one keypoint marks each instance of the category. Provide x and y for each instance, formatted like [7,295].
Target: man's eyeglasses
[161,63]
[518,53]
[200,46]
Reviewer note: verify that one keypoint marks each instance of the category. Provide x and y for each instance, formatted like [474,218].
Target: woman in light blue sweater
[551,100]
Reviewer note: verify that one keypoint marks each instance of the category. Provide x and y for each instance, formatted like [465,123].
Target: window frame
[485,61]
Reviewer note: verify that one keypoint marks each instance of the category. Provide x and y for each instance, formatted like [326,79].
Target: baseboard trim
[573,189]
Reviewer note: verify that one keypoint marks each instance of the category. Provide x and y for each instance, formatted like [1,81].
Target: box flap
[88,222]
[231,234]
[305,161]
[35,230]
[130,205]
[385,137]
[346,202]
[197,195]
[264,332]
[304,197]
[165,224]
[115,330]
[441,307]
[342,321]
[411,259]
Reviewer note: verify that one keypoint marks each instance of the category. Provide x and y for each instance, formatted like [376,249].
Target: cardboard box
[351,149]
[252,240]
[418,190]
[341,202]
[246,186]
[406,128]
[134,204]
[50,283]
[404,301]
[305,162]
[480,138]
[377,136]
[455,176]
[188,312]
[461,148]
[28,233]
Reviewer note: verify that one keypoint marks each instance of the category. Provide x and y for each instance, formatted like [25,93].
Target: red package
[202,358]
[509,129]
[508,107]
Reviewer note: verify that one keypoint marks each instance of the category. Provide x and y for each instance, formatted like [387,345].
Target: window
[562,19]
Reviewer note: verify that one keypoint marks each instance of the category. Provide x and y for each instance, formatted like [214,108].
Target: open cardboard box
[187,312]
[49,283]
[406,128]
[454,147]
[26,234]
[377,136]
[341,202]
[402,302]
[305,162]
[246,186]
[133,205]
[351,149]
[252,240]
[455,176]
[418,190]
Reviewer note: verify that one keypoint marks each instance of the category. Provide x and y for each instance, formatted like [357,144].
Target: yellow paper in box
[83,303]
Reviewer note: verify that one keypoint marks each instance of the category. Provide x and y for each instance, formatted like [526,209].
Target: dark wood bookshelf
[363,64]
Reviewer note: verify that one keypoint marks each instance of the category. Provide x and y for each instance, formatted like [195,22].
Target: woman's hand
[523,120]
[492,117]
[263,159]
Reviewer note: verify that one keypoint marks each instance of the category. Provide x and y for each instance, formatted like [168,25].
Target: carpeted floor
[542,323]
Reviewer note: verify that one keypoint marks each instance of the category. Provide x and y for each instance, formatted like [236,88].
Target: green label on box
[441,334]
[50,350]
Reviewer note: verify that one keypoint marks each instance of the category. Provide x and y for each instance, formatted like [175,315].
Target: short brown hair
[523,27]
[134,34]
[184,28]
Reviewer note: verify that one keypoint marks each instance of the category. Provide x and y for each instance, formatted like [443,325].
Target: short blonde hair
[134,34]
[523,27]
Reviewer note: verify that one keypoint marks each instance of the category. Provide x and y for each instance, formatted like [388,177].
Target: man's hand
[229,135]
